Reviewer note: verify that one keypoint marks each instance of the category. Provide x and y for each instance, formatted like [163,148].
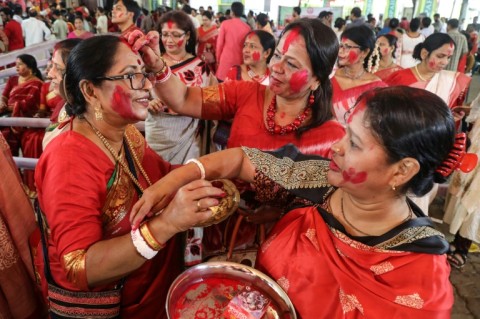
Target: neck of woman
[113,133]
[424,72]
[386,62]
[290,108]
[354,71]
[258,68]
[176,58]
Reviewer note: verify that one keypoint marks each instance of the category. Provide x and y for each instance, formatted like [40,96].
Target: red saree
[207,37]
[385,73]
[344,100]
[18,297]
[228,101]
[329,274]
[24,99]
[452,87]
[85,199]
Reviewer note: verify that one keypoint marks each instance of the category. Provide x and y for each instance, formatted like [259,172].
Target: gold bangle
[149,238]
[162,71]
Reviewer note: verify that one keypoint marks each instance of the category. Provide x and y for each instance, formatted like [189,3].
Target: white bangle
[199,165]
[142,247]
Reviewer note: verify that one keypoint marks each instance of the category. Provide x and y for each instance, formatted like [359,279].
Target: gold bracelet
[149,238]
[162,71]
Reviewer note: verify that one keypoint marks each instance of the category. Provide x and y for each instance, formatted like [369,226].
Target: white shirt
[102,24]
[427,31]
[18,18]
[196,24]
[34,31]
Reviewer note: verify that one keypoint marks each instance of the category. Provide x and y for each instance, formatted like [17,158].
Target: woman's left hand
[148,46]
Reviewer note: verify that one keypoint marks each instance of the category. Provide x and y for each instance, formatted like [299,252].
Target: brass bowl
[204,288]
[227,206]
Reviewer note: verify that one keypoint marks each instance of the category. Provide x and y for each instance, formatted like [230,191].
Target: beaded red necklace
[282,130]
[257,77]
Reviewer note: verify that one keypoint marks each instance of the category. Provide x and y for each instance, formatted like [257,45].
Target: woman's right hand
[190,204]
[156,106]
[148,45]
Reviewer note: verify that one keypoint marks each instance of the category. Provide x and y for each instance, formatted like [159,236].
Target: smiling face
[119,101]
[291,68]
[253,52]
[439,58]
[359,163]
[174,39]
[56,71]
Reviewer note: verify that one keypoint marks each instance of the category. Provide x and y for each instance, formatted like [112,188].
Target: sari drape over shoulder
[401,274]
[86,199]
[207,37]
[385,73]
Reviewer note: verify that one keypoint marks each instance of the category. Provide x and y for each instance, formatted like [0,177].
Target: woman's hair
[262,19]
[207,14]
[31,63]
[432,43]
[183,22]
[410,122]
[266,40]
[392,40]
[339,23]
[83,65]
[79,17]
[64,47]
[364,37]
[414,24]
[322,48]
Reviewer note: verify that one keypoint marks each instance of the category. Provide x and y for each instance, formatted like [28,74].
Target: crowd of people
[342,129]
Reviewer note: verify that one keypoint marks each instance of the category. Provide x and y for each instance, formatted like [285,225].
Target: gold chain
[410,215]
[119,160]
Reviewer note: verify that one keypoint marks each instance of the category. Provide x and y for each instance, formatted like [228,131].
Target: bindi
[170,24]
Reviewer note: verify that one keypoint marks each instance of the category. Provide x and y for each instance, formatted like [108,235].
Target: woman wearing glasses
[90,176]
[175,137]
[358,59]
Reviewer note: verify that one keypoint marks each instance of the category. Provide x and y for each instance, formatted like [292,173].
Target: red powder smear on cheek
[353,177]
[122,104]
[360,107]
[298,80]
[179,43]
[120,14]
[385,52]
[352,56]
[170,24]
[291,37]
[256,56]
[432,64]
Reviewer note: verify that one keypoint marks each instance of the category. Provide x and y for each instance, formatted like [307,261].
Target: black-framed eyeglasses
[347,47]
[137,80]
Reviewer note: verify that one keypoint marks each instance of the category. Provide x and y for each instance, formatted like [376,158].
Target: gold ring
[198,206]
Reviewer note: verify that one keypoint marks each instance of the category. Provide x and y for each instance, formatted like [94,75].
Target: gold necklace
[410,215]
[176,61]
[419,75]
[119,160]
[354,77]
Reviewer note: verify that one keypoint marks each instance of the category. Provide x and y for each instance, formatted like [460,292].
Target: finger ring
[198,206]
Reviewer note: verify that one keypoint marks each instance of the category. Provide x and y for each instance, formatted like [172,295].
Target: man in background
[124,15]
[34,30]
[59,27]
[326,17]
[12,29]
[461,45]
[297,11]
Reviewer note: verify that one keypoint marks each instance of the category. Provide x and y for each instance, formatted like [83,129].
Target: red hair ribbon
[458,158]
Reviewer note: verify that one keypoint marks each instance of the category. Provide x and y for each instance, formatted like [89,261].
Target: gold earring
[394,188]
[98,113]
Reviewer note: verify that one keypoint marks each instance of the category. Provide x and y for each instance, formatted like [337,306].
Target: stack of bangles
[145,243]
[164,74]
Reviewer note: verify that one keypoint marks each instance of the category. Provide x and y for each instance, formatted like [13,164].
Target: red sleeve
[220,43]
[11,82]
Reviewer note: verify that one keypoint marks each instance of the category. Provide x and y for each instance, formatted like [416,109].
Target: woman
[263,23]
[434,54]
[357,61]
[79,31]
[359,245]
[175,137]
[387,44]
[462,209]
[207,40]
[48,97]
[257,51]
[86,188]
[61,51]
[21,98]
[294,108]
[410,39]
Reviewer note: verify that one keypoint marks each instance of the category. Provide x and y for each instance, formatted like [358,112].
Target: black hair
[339,23]
[187,9]
[453,23]
[132,6]
[436,15]
[414,24]
[207,14]
[392,40]
[7,11]
[322,48]
[237,9]
[324,14]
[394,23]
[183,22]
[83,65]
[31,63]
[266,40]
[262,19]
[297,10]
[79,16]
[411,122]
[356,12]
[364,37]
[32,13]
[431,43]
[56,12]
[101,9]
[426,22]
